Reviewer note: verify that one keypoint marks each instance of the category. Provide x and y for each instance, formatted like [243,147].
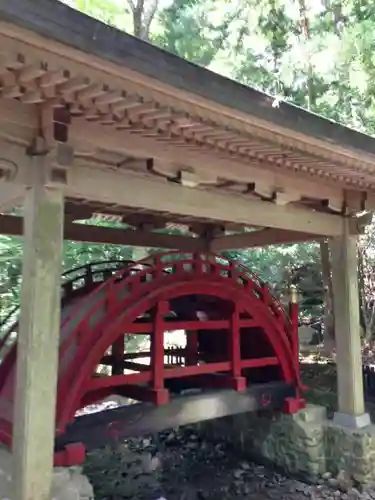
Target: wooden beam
[113,56]
[12,225]
[141,192]
[19,123]
[144,193]
[260,238]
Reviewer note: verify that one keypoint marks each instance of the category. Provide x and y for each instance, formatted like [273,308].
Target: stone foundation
[68,483]
[305,444]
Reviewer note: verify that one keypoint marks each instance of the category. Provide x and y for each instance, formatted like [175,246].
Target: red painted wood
[294,337]
[133,282]
[73,454]
[234,343]
[157,348]
[222,324]
[73,280]
[236,381]
[87,360]
[186,371]
[293,405]
[116,305]
[160,394]
[259,362]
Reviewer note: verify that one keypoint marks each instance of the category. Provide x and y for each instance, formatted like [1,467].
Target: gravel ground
[178,465]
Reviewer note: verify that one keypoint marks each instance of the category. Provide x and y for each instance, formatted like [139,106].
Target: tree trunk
[305,32]
[142,17]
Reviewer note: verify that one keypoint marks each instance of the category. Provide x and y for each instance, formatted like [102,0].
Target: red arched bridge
[240,352]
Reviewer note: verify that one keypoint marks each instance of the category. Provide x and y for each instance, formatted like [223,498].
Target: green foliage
[111,12]
[188,32]
[314,53]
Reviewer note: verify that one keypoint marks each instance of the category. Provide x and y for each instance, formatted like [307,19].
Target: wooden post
[161,395]
[351,409]
[238,382]
[38,340]
[191,349]
[118,349]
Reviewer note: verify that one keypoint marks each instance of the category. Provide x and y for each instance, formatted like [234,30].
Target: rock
[61,476]
[183,466]
[171,437]
[333,482]
[151,463]
[238,473]
[345,483]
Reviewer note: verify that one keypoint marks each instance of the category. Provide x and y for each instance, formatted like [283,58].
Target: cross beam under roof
[143,193]
[12,225]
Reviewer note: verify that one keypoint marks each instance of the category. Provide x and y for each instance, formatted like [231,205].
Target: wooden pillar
[38,341]
[160,394]
[351,410]
[238,382]
[191,349]
[118,349]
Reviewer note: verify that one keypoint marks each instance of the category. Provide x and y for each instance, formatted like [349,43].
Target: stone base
[305,444]
[68,483]
[352,421]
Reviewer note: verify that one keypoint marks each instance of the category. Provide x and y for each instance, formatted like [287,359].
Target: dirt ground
[179,465]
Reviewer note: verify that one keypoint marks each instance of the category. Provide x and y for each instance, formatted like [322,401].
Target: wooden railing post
[161,395]
[238,382]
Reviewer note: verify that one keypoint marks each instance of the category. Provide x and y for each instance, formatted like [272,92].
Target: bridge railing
[71,280]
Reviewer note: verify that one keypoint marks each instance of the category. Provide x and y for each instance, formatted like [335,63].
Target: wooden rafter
[122,135]
[102,89]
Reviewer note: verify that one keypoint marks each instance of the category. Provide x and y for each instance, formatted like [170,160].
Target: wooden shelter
[94,121]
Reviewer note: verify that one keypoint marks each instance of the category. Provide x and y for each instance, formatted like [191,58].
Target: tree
[143,13]
[186,30]
[314,53]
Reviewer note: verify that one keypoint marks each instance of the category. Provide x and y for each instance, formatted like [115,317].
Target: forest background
[316,54]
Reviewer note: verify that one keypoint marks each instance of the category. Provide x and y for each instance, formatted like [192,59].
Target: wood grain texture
[63,24]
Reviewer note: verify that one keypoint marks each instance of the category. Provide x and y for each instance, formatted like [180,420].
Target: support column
[160,394]
[351,409]
[238,382]
[191,349]
[118,350]
[38,340]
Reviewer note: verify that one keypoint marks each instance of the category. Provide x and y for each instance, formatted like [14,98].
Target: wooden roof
[121,105]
